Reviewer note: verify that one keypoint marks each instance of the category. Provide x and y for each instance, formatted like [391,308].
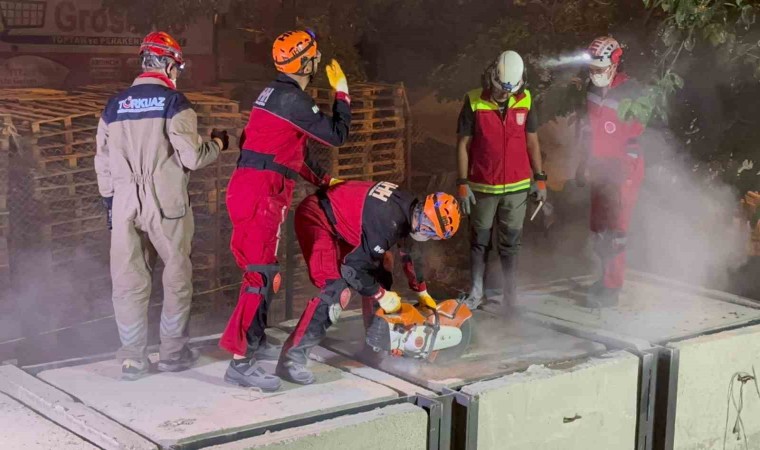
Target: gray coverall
[147,142]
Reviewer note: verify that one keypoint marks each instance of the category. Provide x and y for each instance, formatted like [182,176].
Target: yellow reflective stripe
[500,188]
[477,103]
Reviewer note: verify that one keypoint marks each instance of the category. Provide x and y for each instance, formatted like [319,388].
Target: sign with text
[75,26]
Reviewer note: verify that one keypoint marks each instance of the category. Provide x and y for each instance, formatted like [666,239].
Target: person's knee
[510,241]
[480,239]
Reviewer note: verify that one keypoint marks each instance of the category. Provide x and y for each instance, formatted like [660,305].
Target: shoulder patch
[264,96]
[379,250]
[382,191]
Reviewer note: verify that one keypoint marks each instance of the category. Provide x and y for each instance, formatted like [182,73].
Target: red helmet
[161,44]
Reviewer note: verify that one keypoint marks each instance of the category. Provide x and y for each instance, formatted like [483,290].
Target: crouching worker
[344,232]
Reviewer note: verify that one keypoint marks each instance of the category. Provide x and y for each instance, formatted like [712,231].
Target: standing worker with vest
[260,191]
[147,142]
[616,167]
[346,233]
[497,148]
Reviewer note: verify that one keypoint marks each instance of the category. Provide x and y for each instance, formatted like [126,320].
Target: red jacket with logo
[284,117]
[611,137]
[373,217]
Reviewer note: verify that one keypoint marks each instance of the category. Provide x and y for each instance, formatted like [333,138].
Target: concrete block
[651,308]
[67,412]
[499,347]
[587,406]
[397,427]
[22,428]
[709,391]
[196,405]
[329,357]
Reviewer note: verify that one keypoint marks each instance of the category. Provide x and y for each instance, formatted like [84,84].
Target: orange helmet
[439,216]
[159,43]
[293,50]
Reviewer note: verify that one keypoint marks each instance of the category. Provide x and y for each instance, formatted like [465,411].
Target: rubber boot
[477,274]
[509,283]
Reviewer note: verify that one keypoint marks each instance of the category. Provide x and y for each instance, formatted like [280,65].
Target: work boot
[601,296]
[132,369]
[509,283]
[295,373]
[187,358]
[267,352]
[248,373]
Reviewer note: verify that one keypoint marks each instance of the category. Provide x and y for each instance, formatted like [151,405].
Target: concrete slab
[196,405]
[64,410]
[22,428]
[499,348]
[651,308]
[329,357]
[586,406]
[716,386]
[398,427]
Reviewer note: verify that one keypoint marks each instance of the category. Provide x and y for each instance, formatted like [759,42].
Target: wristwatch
[540,176]
[461,181]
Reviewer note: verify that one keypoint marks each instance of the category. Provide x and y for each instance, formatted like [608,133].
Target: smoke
[685,225]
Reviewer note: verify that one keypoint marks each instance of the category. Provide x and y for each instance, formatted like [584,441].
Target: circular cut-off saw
[418,331]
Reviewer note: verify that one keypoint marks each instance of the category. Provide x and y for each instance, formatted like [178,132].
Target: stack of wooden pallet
[6,130]
[376,145]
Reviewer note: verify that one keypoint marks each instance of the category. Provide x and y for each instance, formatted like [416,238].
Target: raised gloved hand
[222,137]
[334,181]
[427,300]
[465,196]
[108,205]
[580,176]
[538,191]
[336,77]
[388,300]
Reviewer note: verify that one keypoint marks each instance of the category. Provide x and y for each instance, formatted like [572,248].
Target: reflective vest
[498,154]
[610,136]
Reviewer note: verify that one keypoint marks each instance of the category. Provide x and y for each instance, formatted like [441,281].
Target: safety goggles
[425,226]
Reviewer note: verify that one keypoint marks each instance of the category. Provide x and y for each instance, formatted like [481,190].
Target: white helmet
[509,73]
[604,57]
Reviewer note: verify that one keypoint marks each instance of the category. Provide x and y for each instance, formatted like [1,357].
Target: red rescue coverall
[617,170]
[345,234]
[261,189]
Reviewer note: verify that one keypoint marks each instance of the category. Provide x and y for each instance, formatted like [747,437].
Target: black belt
[264,161]
[326,206]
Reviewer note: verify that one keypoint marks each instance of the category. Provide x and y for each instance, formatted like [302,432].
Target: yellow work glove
[334,181]
[426,300]
[336,77]
[388,300]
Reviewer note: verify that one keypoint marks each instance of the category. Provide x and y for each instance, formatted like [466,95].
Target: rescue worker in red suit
[273,155]
[346,233]
[614,162]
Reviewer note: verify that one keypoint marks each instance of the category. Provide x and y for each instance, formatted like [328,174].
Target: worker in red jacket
[345,233]
[273,155]
[614,162]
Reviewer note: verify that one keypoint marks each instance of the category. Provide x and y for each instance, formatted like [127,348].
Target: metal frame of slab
[667,398]
[464,419]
